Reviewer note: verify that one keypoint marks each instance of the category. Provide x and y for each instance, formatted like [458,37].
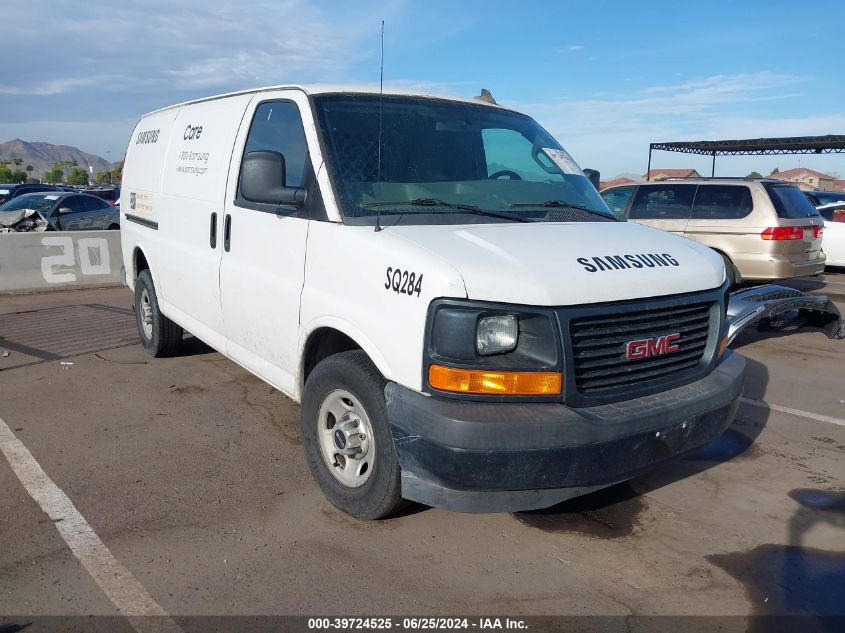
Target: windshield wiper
[561,203]
[436,202]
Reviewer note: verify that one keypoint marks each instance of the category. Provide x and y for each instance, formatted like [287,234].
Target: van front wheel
[159,335]
[347,439]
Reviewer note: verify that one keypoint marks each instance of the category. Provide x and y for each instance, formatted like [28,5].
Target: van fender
[358,336]
[131,272]
[752,305]
[730,259]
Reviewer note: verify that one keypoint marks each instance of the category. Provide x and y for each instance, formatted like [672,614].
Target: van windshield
[445,162]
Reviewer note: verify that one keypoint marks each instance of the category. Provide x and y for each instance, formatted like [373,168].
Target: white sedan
[833,240]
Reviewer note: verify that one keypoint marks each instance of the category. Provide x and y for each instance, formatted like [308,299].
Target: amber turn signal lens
[513,383]
[723,345]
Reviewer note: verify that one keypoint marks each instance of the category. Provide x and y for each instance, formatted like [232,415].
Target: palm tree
[29,170]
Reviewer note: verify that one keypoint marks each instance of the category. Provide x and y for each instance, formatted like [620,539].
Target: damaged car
[57,211]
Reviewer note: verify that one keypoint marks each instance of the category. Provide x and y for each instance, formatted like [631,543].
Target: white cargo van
[463,320]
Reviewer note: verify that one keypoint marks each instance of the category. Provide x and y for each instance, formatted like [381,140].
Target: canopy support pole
[648,169]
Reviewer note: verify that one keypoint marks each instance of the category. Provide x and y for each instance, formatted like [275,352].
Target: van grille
[598,345]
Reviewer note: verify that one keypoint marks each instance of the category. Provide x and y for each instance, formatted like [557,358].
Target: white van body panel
[347,288]
[496,265]
[193,188]
[261,275]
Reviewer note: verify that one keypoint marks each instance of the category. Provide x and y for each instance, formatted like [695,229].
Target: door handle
[227,232]
[212,240]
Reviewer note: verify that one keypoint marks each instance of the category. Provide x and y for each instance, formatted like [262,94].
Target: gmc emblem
[648,347]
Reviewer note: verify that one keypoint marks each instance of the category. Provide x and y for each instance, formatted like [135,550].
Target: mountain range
[42,156]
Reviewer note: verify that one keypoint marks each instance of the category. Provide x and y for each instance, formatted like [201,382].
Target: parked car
[821,198]
[763,229]
[58,211]
[834,233]
[109,194]
[7,192]
[463,320]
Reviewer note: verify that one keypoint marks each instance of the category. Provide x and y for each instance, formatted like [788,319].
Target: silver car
[58,211]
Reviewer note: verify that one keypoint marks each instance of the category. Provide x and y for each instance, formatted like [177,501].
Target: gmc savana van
[462,319]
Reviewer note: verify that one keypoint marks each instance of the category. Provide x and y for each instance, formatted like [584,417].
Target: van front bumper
[471,456]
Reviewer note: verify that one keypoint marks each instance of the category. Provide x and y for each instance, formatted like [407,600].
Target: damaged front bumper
[779,305]
[22,221]
[471,456]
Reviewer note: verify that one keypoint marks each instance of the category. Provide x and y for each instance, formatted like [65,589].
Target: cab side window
[617,199]
[721,202]
[277,127]
[663,202]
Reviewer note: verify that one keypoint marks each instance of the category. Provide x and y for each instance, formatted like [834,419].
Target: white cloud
[139,46]
[569,49]
[87,68]
[47,88]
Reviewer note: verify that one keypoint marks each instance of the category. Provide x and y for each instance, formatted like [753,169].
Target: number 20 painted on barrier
[99,266]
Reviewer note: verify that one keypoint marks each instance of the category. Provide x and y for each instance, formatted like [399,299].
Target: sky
[605,78]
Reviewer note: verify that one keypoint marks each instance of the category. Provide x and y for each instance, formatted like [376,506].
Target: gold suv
[764,229]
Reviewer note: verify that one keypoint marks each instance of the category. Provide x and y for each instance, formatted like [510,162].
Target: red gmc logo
[646,348]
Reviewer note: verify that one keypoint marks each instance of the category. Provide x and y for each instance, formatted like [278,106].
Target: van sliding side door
[263,262]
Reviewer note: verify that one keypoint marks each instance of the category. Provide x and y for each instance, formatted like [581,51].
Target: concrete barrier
[55,260]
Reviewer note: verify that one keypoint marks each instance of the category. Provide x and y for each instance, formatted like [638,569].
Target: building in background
[615,182]
[809,179]
[665,174]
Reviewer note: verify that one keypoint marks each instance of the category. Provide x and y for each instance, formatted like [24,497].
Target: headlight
[479,349]
[496,334]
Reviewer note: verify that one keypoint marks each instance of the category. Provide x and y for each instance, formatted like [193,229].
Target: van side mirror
[263,180]
[594,176]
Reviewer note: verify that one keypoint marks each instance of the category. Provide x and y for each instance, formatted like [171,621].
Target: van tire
[159,336]
[730,271]
[353,372]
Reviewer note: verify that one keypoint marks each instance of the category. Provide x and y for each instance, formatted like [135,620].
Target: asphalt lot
[190,472]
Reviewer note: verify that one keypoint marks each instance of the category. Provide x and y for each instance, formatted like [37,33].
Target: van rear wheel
[347,439]
[159,335]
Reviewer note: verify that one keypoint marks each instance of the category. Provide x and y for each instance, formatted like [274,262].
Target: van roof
[315,89]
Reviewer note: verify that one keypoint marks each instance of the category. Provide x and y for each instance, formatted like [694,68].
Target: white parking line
[796,412]
[126,593]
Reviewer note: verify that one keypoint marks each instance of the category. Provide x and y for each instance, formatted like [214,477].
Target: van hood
[568,263]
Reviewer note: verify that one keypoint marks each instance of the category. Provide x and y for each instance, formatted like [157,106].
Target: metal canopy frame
[830,144]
